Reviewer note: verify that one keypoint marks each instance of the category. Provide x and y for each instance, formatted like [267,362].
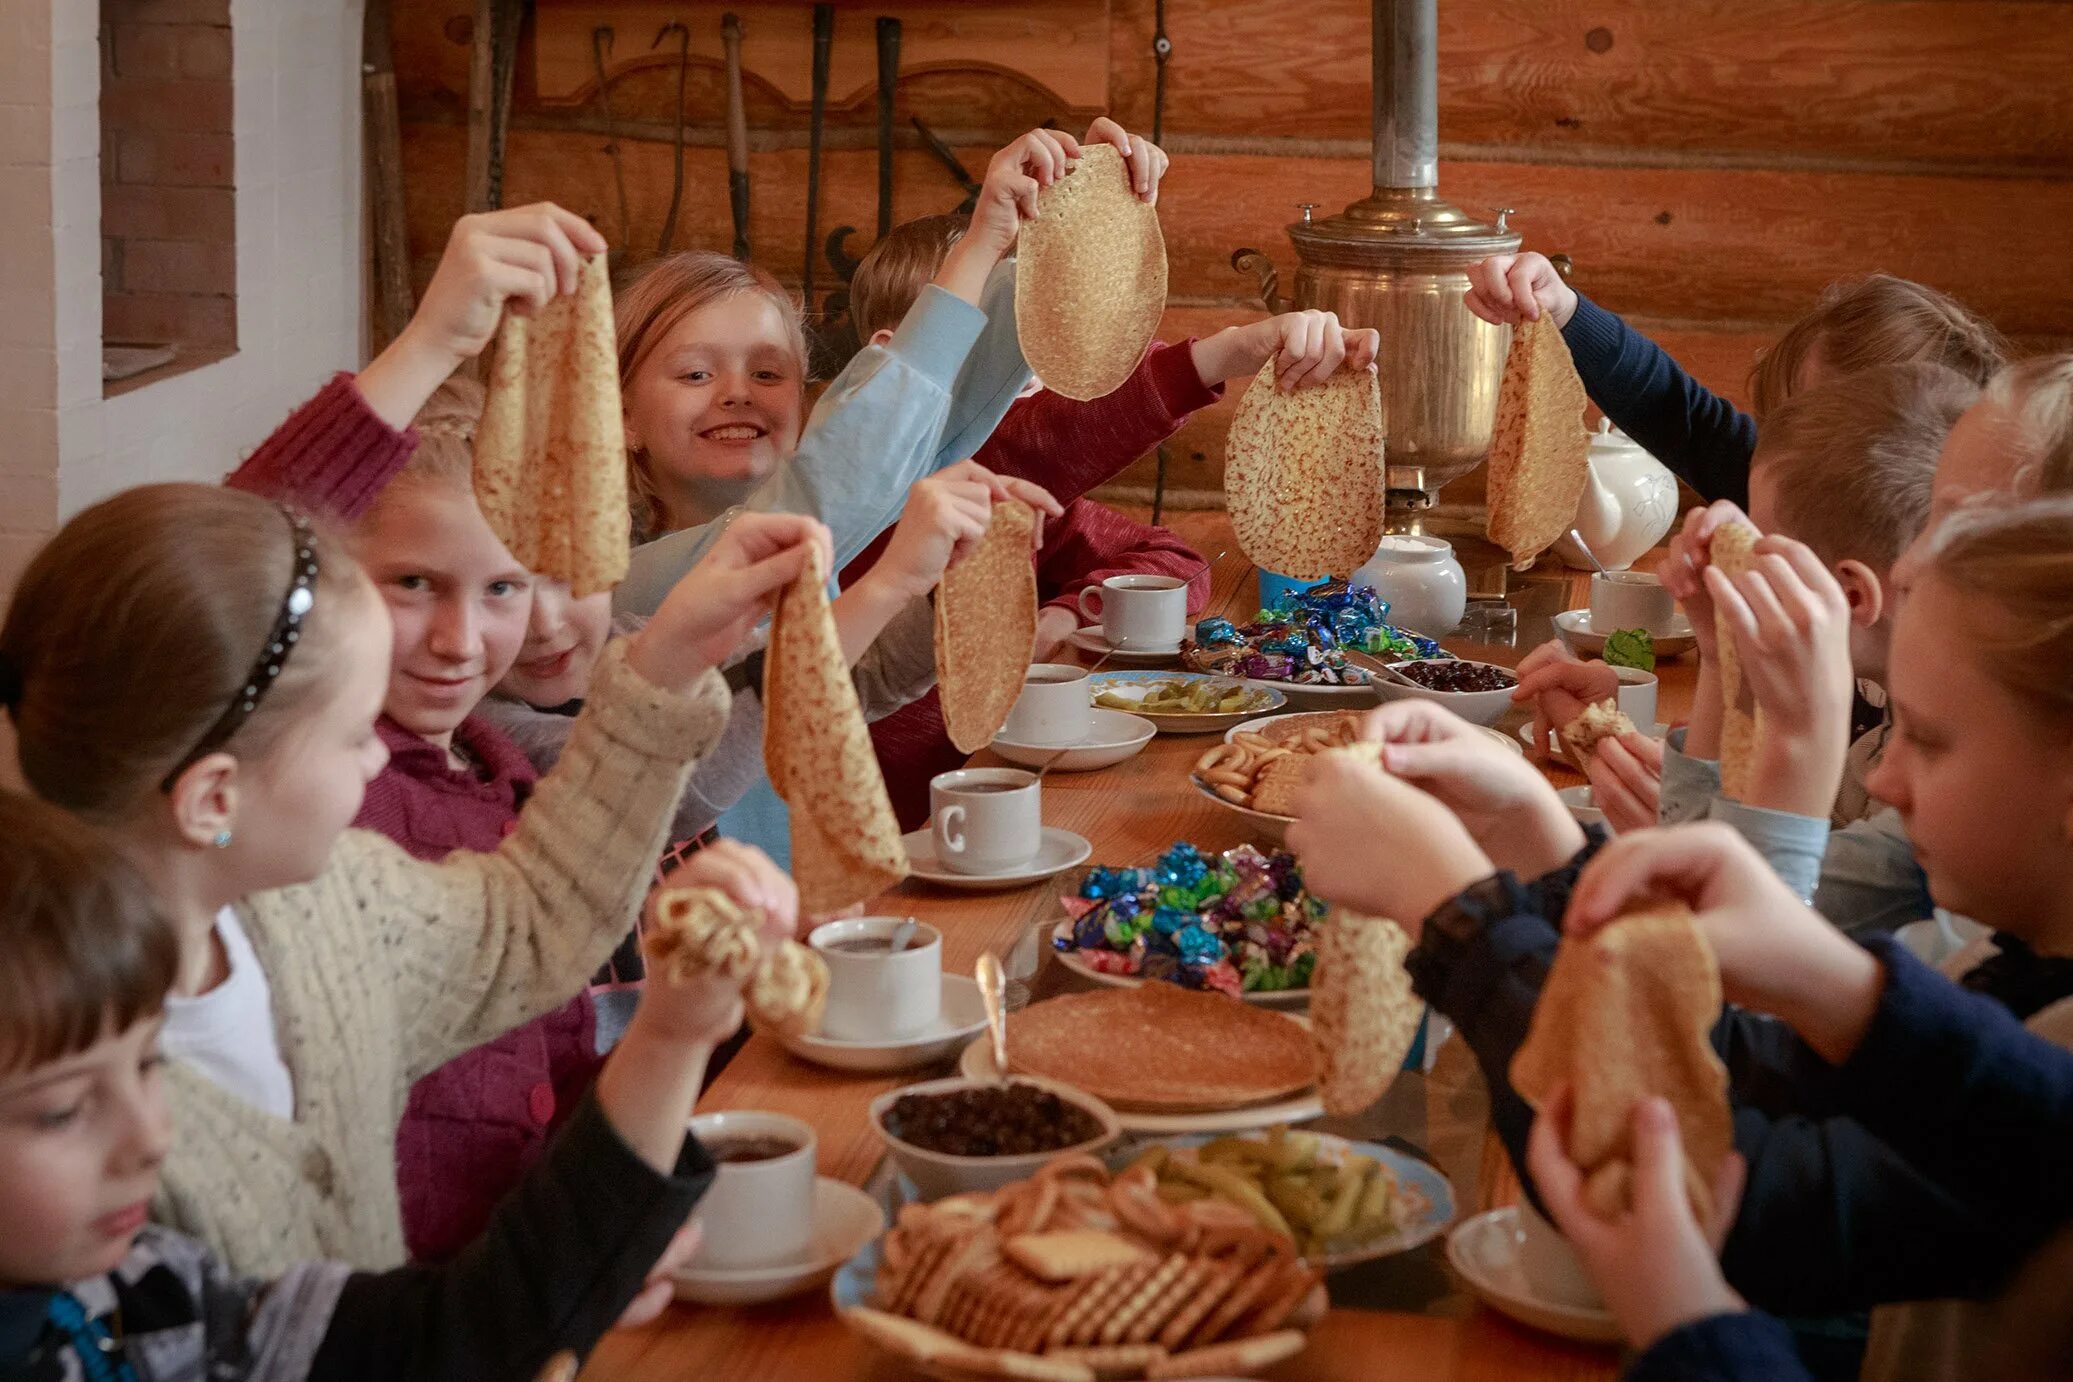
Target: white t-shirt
[227,1034]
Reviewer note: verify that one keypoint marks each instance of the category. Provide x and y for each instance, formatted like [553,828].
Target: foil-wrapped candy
[1217,631]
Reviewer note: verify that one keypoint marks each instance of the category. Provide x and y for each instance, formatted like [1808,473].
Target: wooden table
[1404,1317]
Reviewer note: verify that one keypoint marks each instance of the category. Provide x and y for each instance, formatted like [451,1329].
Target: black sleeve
[1965,1091]
[565,1253]
[1689,428]
[1832,1219]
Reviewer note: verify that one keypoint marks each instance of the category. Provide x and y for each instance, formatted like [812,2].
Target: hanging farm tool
[737,135]
[601,40]
[950,161]
[823,43]
[888,81]
[676,185]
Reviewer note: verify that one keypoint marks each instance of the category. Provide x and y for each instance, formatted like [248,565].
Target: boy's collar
[22,1313]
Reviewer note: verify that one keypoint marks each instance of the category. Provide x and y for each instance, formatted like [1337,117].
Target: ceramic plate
[963,1017]
[1575,627]
[1321,697]
[977,1063]
[1278,998]
[1133,684]
[1268,828]
[1582,806]
[1114,736]
[1277,727]
[1485,1251]
[845,1221]
[1095,641]
[1426,1197]
[1060,851]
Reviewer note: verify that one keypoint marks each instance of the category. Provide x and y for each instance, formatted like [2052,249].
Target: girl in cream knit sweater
[200,669]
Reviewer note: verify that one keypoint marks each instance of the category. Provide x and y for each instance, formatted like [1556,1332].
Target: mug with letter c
[986,820]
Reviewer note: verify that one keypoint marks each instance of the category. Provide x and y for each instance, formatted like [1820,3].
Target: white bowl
[1477,707]
[936,1174]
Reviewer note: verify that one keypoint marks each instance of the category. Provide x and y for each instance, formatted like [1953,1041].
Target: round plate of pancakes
[1165,1058]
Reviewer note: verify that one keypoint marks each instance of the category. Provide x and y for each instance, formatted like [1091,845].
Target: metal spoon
[902,934]
[993,994]
[1585,548]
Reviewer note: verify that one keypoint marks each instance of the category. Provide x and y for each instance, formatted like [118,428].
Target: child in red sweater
[1070,447]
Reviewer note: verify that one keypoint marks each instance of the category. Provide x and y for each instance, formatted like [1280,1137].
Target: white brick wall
[296,65]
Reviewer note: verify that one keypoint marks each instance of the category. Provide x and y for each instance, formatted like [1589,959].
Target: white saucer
[1574,625]
[1582,805]
[962,1018]
[1485,1251]
[1060,851]
[1094,640]
[1113,736]
[844,1219]
[1557,749]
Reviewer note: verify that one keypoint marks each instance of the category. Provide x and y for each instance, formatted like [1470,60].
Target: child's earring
[222,840]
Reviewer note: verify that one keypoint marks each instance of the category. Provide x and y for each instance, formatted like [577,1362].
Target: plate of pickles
[1343,1202]
[1184,702]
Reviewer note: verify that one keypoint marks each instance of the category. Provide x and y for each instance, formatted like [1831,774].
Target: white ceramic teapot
[1629,502]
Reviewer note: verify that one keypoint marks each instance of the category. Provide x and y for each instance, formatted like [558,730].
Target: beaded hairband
[281,641]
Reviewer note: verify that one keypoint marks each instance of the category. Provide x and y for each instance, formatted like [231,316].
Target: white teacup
[1140,614]
[1630,600]
[759,1209]
[874,992]
[1551,1266]
[1637,696]
[1053,710]
[987,820]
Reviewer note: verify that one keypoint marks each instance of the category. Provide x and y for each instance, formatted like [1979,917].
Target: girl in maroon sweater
[459,604]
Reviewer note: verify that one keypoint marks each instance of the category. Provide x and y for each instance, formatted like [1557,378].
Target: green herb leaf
[1631,648]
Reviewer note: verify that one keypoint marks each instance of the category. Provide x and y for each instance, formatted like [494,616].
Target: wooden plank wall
[1709,164]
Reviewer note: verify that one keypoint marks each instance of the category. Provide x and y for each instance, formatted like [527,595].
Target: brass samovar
[1398,260]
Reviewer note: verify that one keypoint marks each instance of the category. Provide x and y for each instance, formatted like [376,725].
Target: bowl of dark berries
[951,1136]
[1479,692]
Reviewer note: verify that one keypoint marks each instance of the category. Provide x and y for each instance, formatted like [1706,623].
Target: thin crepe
[1539,448]
[1622,1016]
[1732,549]
[550,453]
[845,839]
[1363,1014]
[986,618]
[1090,278]
[1303,474]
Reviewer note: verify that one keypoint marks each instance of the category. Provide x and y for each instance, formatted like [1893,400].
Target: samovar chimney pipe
[1406,93]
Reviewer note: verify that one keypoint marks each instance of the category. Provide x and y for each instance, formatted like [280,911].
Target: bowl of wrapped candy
[1239,922]
[1323,647]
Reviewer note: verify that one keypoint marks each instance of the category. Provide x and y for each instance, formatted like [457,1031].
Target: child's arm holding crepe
[1695,432]
[336,452]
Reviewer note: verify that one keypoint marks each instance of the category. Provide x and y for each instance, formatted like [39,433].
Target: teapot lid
[1609,438]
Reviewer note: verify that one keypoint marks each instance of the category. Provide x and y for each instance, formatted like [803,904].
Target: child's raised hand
[1627,780]
[945,514]
[1775,954]
[1350,813]
[1791,624]
[520,257]
[1147,160]
[1656,1265]
[720,599]
[1508,288]
[1008,195]
[1506,806]
[1683,571]
[1558,685]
